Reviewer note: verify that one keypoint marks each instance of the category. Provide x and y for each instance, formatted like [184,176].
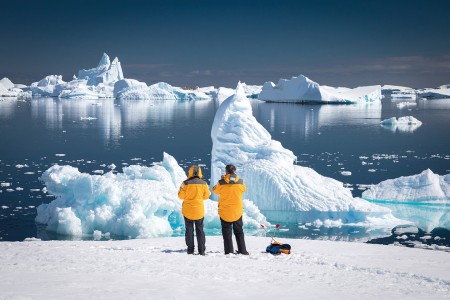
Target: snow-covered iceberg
[283,191]
[46,86]
[303,89]
[422,199]
[106,72]
[140,202]
[390,90]
[403,124]
[130,89]
[9,89]
[93,83]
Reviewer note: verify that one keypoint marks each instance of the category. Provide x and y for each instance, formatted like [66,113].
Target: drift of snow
[284,192]
[404,124]
[140,202]
[303,89]
[421,198]
[159,268]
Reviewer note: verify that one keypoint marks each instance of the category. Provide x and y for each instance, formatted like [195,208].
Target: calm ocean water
[333,139]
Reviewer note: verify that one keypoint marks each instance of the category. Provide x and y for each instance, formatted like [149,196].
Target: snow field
[160,268]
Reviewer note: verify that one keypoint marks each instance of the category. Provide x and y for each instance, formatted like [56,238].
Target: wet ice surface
[343,142]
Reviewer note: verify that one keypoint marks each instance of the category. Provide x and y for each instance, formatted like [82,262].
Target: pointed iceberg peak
[106,72]
[240,89]
[104,61]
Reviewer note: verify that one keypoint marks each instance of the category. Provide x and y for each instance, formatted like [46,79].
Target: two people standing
[230,189]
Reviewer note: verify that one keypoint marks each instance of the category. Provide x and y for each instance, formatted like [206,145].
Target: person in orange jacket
[230,189]
[193,191]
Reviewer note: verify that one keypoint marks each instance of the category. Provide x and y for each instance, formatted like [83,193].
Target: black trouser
[235,226]
[189,236]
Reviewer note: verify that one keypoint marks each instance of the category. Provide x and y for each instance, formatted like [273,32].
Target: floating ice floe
[303,89]
[422,198]
[404,124]
[140,202]
[283,191]
[406,104]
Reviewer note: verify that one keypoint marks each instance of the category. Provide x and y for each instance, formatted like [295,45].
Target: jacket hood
[227,178]
[195,171]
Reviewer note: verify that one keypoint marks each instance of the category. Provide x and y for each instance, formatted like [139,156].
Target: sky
[202,43]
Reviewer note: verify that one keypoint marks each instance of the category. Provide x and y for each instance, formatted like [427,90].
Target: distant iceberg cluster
[104,81]
[303,89]
[140,202]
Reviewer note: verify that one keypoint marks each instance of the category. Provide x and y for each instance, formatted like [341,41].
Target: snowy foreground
[160,268]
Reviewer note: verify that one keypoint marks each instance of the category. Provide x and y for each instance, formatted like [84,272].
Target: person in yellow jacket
[193,191]
[230,189]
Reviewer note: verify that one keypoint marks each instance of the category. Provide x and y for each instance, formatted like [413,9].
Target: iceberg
[9,89]
[303,89]
[403,124]
[131,89]
[46,86]
[390,90]
[423,199]
[106,72]
[141,202]
[440,93]
[283,191]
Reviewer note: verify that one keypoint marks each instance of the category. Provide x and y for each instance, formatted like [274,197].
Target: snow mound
[284,192]
[140,202]
[131,89]
[303,89]
[6,83]
[403,124]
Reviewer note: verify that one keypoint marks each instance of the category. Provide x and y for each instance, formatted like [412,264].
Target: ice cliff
[303,89]
[283,191]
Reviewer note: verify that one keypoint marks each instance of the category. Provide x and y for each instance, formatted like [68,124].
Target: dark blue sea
[335,140]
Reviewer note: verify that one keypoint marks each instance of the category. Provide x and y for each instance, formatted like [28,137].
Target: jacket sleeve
[182,191]
[216,189]
[206,192]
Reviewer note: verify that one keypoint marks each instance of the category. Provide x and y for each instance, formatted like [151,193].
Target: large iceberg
[283,191]
[422,199]
[140,202]
[303,89]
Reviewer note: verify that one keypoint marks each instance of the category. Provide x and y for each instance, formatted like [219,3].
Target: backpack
[277,248]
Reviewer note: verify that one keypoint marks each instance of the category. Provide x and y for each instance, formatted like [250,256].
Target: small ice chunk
[97,235]
[346,173]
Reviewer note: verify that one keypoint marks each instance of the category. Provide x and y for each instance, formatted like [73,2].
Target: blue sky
[189,43]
